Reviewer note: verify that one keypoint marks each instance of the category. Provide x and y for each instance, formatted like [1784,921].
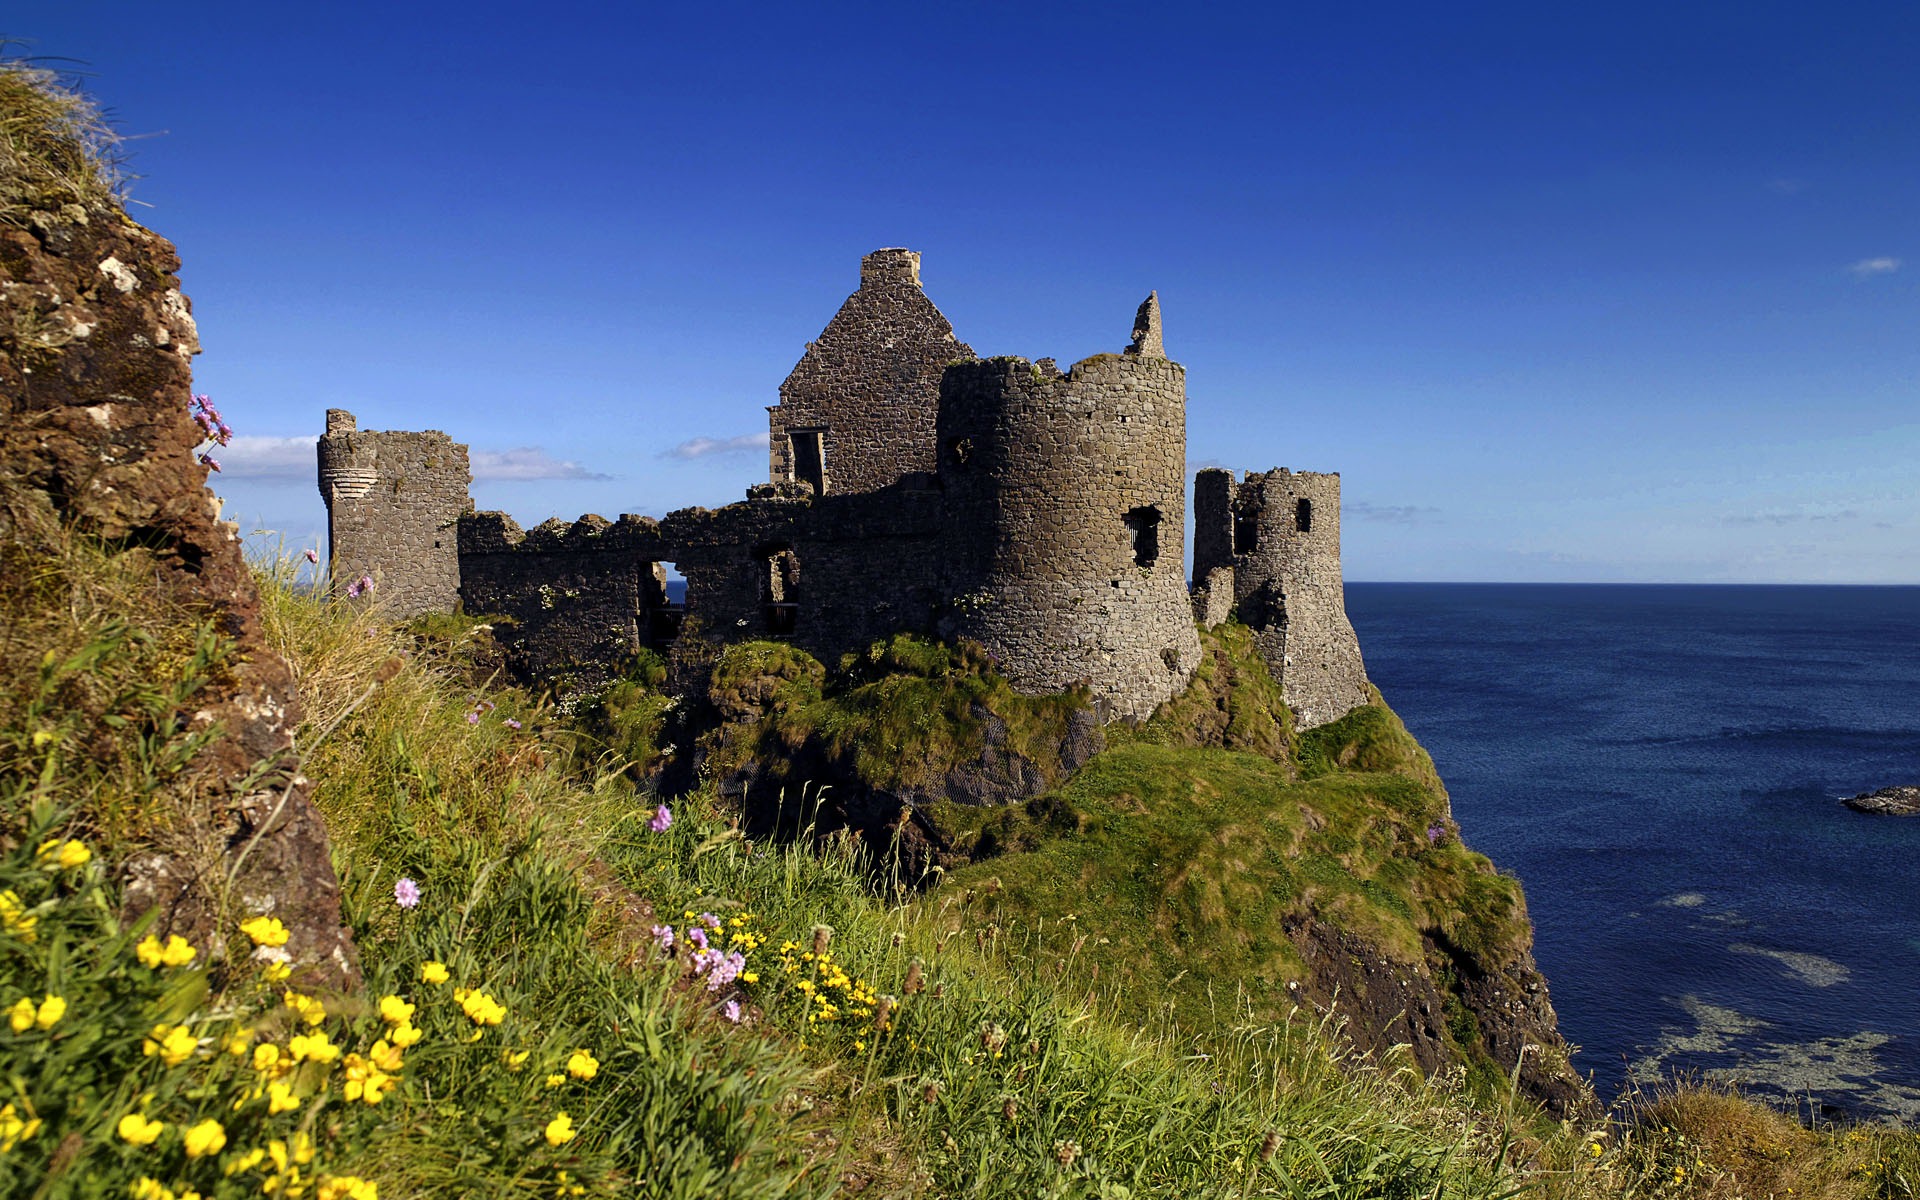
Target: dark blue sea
[1662,767]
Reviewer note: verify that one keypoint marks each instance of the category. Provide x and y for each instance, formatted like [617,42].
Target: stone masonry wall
[1280,532]
[871,381]
[392,502]
[831,574]
[1065,524]
[581,598]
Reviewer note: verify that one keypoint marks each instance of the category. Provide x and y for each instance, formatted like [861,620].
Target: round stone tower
[1066,521]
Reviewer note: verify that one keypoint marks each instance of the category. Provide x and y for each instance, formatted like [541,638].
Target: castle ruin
[912,488]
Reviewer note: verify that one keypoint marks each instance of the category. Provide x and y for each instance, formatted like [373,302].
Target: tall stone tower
[1278,536]
[1066,520]
[393,501]
[857,413]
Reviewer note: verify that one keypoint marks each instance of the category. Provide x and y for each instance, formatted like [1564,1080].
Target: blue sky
[1621,294]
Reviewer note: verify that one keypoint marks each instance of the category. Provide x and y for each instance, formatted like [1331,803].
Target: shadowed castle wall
[1065,524]
[869,384]
[1279,533]
[392,502]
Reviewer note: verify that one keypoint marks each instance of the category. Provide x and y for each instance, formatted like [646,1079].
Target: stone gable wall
[392,503]
[871,380]
[1050,480]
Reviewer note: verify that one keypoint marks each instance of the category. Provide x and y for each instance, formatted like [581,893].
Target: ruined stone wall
[1065,524]
[1280,533]
[831,574]
[392,502]
[869,383]
[581,598]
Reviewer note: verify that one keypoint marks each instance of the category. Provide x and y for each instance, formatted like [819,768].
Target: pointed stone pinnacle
[1146,329]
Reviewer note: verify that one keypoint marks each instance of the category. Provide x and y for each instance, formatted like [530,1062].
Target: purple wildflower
[698,937]
[358,586]
[473,717]
[1435,833]
[210,460]
[406,893]
[662,819]
[710,921]
[663,936]
[313,556]
[512,724]
[731,1011]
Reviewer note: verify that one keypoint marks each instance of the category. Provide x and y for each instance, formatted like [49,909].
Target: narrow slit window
[810,458]
[1303,516]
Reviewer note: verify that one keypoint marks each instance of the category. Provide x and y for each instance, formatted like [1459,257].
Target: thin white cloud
[707,447]
[293,460]
[525,463]
[1781,517]
[250,456]
[1868,267]
[1389,514]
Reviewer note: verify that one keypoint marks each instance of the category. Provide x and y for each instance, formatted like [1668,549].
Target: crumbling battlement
[392,501]
[914,489]
[1278,534]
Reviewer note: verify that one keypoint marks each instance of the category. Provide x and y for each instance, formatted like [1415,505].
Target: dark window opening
[779,588]
[1246,532]
[1303,516]
[810,458]
[663,602]
[961,449]
[1144,523]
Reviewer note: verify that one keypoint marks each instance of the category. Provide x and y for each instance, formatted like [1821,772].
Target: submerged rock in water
[1900,801]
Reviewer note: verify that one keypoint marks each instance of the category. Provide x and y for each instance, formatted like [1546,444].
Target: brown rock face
[95,346]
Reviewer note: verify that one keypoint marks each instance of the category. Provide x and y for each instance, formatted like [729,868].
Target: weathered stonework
[1066,518]
[393,500]
[1279,534]
[1037,512]
[857,413]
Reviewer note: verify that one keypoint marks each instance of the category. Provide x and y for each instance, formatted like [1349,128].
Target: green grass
[55,147]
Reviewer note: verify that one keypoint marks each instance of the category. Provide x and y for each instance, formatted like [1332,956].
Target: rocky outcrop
[1898,801]
[96,342]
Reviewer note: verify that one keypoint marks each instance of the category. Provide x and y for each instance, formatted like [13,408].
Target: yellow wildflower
[153,954]
[406,1035]
[433,972]
[277,972]
[245,1162]
[238,1040]
[560,1130]
[481,1008]
[149,1188]
[311,1011]
[205,1138]
[385,1056]
[366,1081]
[281,1098]
[583,1065]
[395,1011]
[347,1187]
[515,1061]
[51,1010]
[269,1059]
[312,1047]
[14,1129]
[136,1129]
[21,1015]
[14,916]
[265,931]
[56,855]
[173,1043]
[554,1081]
